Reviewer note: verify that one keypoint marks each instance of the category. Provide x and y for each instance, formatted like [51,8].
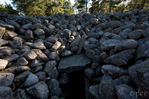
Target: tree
[43,7]
[7,8]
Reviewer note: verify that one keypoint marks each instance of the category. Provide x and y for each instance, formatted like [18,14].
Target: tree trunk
[143,3]
[86,5]
[110,6]
[135,4]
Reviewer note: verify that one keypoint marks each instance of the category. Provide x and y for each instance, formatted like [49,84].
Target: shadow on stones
[75,88]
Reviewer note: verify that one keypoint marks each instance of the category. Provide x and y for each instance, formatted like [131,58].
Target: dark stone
[5,92]
[121,58]
[22,61]
[6,79]
[39,90]
[125,92]
[136,34]
[68,64]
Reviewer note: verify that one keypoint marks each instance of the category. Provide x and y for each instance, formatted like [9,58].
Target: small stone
[67,53]
[5,92]
[12,58]
[39,90]
[94,21]
[29,35]
[41,76]
[125,92]
[90,53]
[21,69]
[94,89]
[63,79]
[3,64]
[136,34]
[89,72]
[31,79]
[38,45]
[39,32]
[67,33]
[2,31]
[6,79]
[121,58]
[3,42]
[30,55]
[126,44]
[52,39]
[114,24]
[49,66]
[22,62]
[54,56]
[53,73]
[56,45]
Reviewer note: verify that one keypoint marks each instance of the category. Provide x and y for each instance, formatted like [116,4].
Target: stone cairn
[38,53]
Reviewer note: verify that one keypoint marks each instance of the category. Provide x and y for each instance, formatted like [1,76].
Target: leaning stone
[113,70]
[125,92]
[121,58]
[39,90]
[3,64]
[6,79]
[126,44]
[5,92]
[68,64]
[31,79]
[49,66]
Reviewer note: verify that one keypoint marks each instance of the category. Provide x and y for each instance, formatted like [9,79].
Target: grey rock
[30,55]
[109,44]
[53,86]
[39,90]
[41,76]
[89,72]
[125,92]
[14,23]
[49,66]
[3,64]
[136,34]
[12,58]
[20,93]
[52,39]
[94,21]
[21,69]
[39,32]
[121,58]
[143,50]
[22,77]
[56,45]
[63,79]
[6,79]
[139,74]
[42,57]
[53,73]
[7,26]
[29,35]
[68,64]
[145,33]
[31,80]
[27,26]
[22,61]
[36,63]
[3,42]
[67,33]
[114,24]
[38,45]
[10,35]
[94,89]
[67,53]
[54,97]
[90,53]
[114,71]
[54,56]
[5,92]
[2,31]
[6,51]
[126,44]
[17,42]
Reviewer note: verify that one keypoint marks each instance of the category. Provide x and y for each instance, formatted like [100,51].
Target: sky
[9,1]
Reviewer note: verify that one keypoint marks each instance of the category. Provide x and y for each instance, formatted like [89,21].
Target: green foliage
[7,8]
[43,7]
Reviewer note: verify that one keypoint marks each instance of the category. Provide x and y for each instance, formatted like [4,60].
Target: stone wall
[38,53]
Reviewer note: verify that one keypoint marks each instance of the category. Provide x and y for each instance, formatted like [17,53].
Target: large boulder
[6,79]
[73,63]
[39,90]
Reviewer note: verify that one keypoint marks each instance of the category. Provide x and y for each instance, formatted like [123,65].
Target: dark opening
[75,88]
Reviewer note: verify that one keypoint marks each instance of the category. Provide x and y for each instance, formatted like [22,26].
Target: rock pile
[37,53]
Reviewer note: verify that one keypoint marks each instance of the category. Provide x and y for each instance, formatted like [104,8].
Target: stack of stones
[37,53]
